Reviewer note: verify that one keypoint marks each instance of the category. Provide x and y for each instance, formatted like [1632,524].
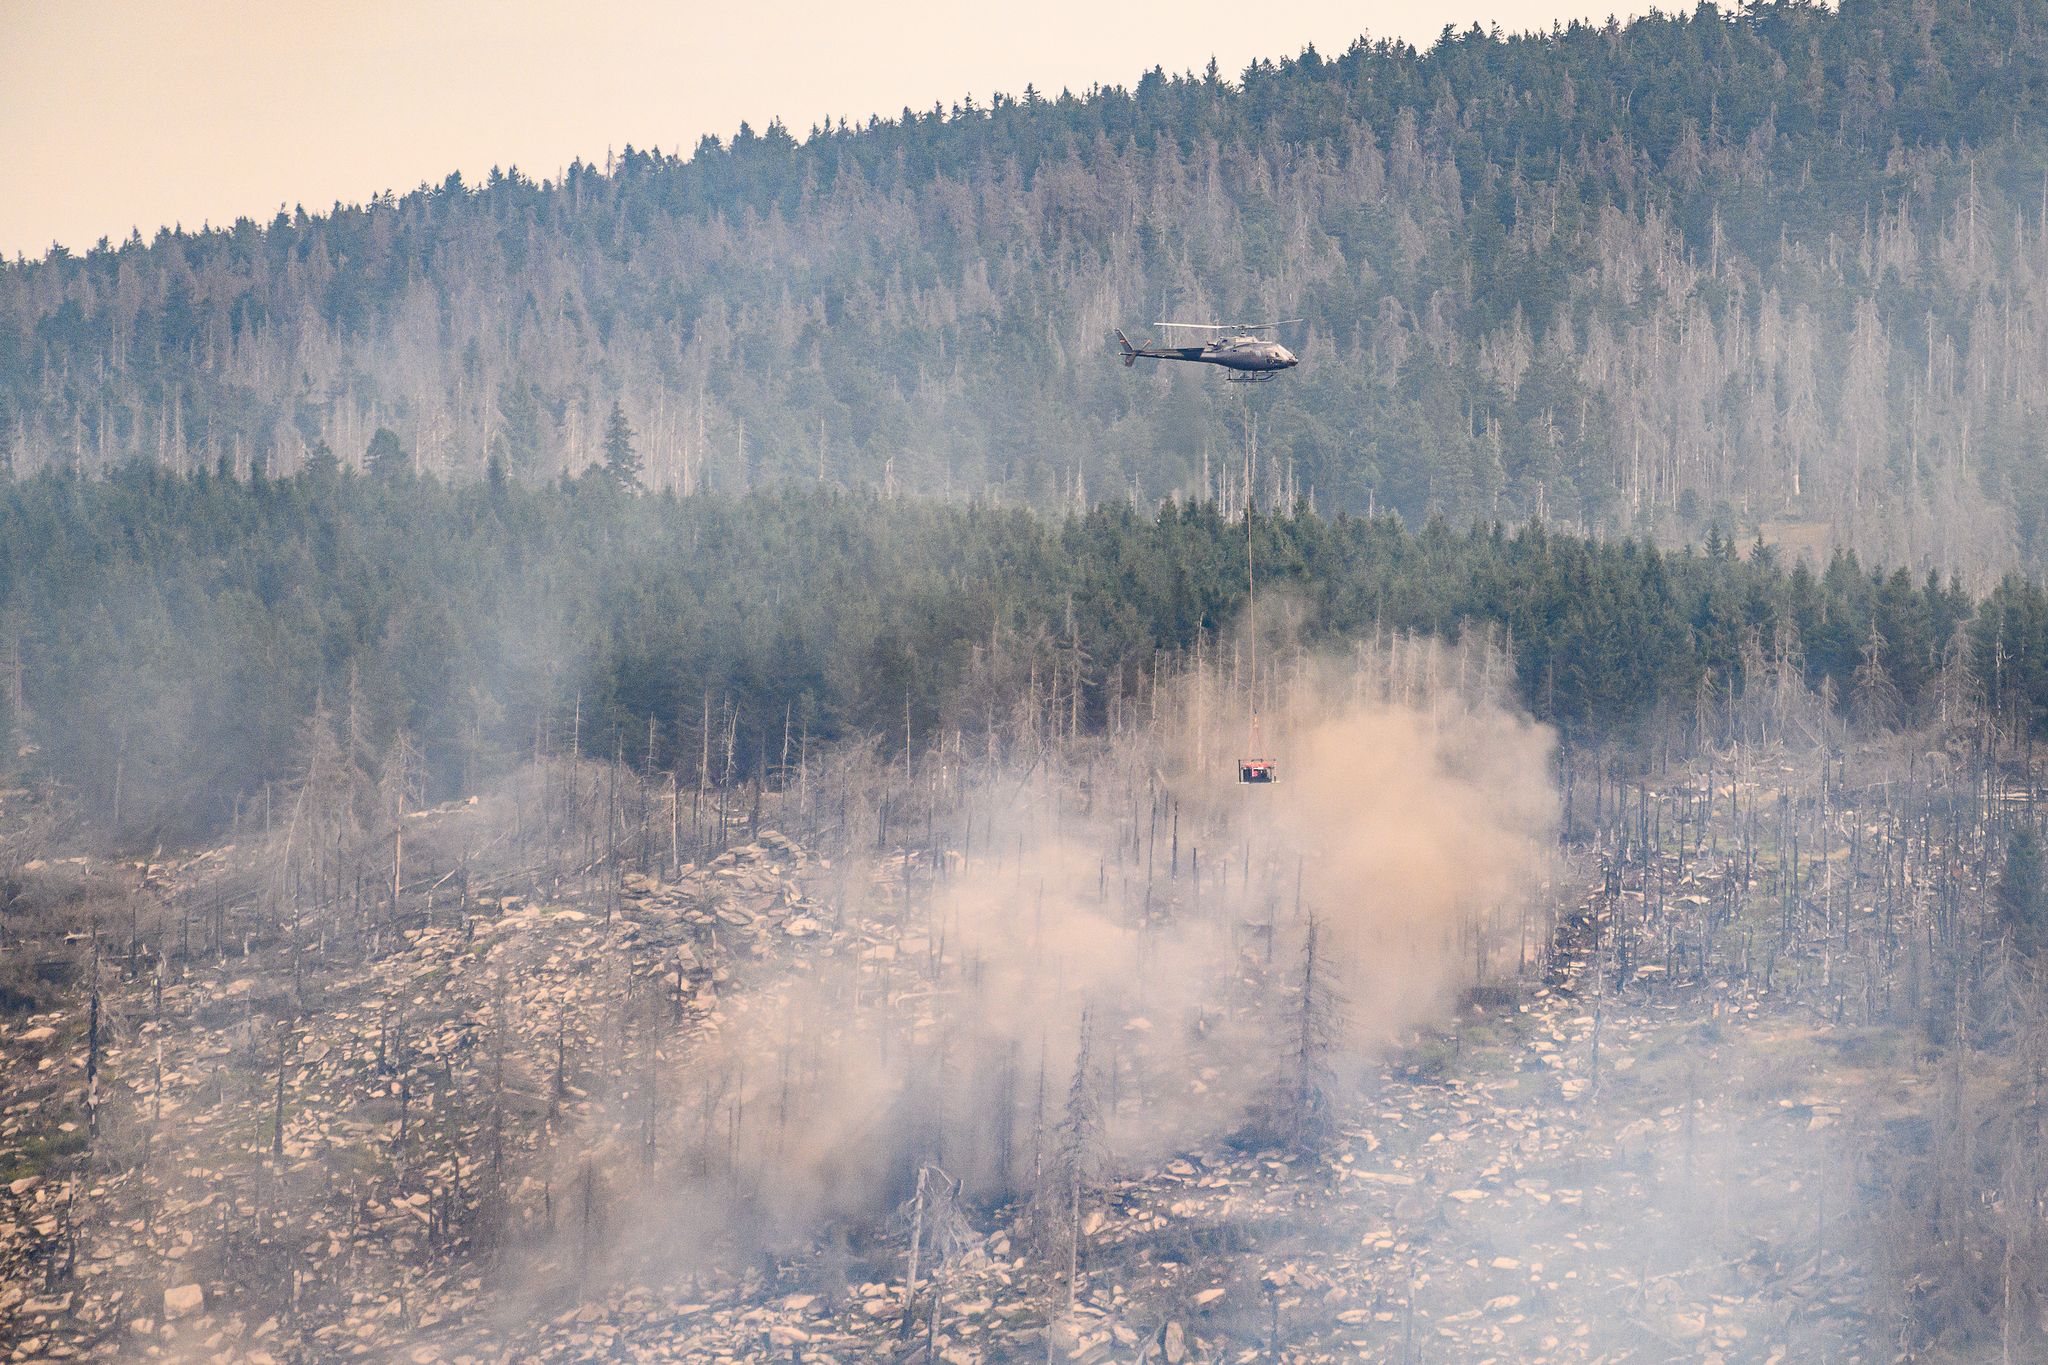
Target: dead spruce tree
[1318,1025]
[1296,1112]
[1075,1166]
[938,1234]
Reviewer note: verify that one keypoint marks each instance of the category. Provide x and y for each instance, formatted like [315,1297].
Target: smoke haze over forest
[674,762]
[1770,268]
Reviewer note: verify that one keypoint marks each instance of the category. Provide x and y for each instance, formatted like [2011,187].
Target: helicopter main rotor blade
[1230,326]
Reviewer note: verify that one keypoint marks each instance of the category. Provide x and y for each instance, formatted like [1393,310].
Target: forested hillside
[806,840]
[173,645]
[1778,264]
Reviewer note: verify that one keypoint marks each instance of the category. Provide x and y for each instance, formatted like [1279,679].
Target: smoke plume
[1090,956]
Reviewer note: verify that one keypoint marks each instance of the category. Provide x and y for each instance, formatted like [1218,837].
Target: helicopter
[1238,347]
[1252,358]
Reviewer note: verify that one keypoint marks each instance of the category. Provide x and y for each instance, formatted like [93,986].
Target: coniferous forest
[167,637]
[1773,265]
[670,760]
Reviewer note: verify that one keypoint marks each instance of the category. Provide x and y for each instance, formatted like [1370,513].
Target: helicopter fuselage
[1245,354]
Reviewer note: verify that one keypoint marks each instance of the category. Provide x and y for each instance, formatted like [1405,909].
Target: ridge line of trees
[1772,262]
[164,638]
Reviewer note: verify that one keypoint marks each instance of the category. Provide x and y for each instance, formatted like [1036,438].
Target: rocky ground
[1501,1197]
[1599,1165]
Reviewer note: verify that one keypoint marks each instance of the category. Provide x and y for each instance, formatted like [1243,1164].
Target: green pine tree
[321,463]
[384,458]
[621,461]
[2022,896]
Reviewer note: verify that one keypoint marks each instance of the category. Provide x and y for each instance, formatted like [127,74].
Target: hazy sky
[136,113]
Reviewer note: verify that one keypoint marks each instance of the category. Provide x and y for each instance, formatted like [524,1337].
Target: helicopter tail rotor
[1130,352]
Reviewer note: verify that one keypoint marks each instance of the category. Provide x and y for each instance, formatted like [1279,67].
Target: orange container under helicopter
[1257,770]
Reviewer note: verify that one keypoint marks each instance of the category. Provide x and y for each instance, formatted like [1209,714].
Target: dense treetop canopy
[1773,265]
[165,638]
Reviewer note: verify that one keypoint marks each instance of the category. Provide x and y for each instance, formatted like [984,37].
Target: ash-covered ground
[543,1097]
